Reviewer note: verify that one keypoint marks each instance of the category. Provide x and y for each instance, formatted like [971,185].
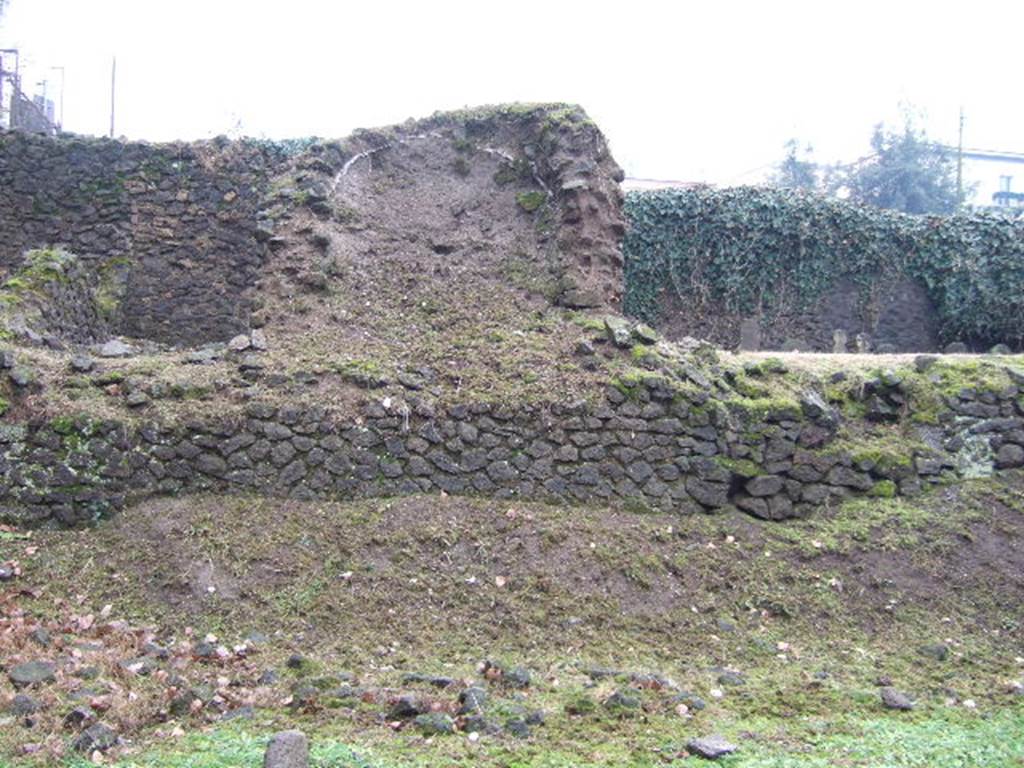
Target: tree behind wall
[905,173]
[797,170]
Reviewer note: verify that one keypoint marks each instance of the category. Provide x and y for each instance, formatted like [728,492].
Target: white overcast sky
[704,90]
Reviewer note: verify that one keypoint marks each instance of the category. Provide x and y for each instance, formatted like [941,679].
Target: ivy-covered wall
[788,258]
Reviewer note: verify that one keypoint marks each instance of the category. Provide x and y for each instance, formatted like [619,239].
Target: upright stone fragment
[287,749]
[750,334]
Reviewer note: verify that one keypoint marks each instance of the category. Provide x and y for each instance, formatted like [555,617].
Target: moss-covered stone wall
[179,221]
[647,445]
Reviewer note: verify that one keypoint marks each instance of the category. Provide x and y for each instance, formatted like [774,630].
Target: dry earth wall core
[182,230]
[552,160]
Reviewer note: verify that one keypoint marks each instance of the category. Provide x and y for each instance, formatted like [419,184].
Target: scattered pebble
[893,699]
[115,348]
[32,673]
[711,747]
[239,343]
[95,738]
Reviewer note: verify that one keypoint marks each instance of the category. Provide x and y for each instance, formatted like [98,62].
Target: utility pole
[2,74]
[960,163]
[113,80]
[60,125]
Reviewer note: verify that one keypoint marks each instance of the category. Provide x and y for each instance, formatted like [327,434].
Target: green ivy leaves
[746,247]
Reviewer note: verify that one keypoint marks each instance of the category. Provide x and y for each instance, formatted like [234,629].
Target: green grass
[949,739]
[880,523]
[232,747]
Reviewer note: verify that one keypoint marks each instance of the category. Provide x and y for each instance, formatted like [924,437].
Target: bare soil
[394,568]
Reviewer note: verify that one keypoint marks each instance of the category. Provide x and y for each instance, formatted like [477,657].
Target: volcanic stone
[1010,456]
[517,677]
[518,727]
[893,699]
[711,747]
[32,673]
[287,749]
[619,700]
[79,717]
[405,707]
[115,348]
[95,737]
[435,722]
[472,700]
[764,485]
[239,343]
[82,363]
[23,705]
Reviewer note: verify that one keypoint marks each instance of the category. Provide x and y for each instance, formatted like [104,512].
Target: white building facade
[999,176]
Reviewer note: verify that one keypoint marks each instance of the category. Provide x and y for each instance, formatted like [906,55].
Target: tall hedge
[753,247]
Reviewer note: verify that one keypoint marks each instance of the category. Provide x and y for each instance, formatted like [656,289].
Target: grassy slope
[939,741]
[811,612]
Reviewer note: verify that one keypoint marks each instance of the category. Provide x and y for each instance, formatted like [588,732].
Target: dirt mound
[579,575]
[526,196]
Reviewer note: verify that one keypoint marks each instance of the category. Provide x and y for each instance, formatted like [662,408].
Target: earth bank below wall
[650,448]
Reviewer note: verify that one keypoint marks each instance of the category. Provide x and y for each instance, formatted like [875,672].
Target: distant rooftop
[988,154]
[631,183]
